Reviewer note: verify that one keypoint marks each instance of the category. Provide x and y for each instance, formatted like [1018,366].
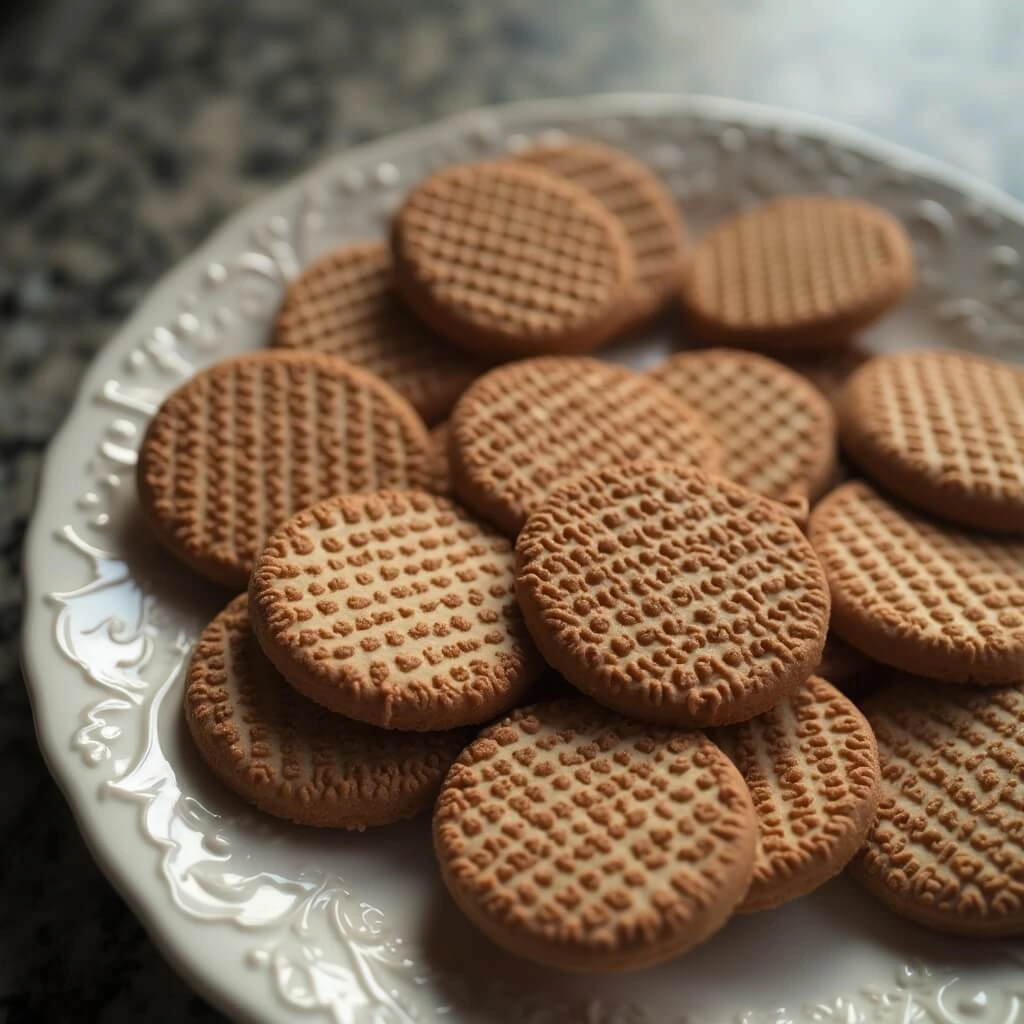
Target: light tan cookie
[289,756]
[842,665]
[522,429]
[396,609]
[776,431]
[944,431]
[442,473]
[346,305]
[812,768]
[642,203]
[507,260]
[918,594]
[241,446]
[584,841]
[672,595]
[797,274]
[947,849]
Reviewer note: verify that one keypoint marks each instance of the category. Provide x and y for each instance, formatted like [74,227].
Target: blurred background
[130,128]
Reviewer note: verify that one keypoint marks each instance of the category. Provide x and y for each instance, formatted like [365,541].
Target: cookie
[507,260]
[442,472]
[397,609]
[522,429]
[919,595]
[842,665]
[776,431]
[346,305]
[947,850]
[672,595]
[584,841]
[241,446]
[291,758]
[797,274]
[812,768]
[944,431]
[641,202]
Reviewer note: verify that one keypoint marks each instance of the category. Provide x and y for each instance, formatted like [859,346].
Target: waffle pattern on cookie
[585,841]
[948,847]
[672,595]
[812,769]
[522,429]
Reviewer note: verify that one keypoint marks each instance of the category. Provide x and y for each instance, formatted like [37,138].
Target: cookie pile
[607,624]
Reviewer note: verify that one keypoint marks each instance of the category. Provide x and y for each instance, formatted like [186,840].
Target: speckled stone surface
[130,128]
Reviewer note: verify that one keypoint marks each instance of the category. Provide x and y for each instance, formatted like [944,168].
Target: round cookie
[919,595]
[522,429]
[291,758]
[346,305]
[508,260]
[396,609]
[812,769]
[640,201]
[947,849]
[797,274]
[944,431]
[242,445]
[671,595]
[776,431]
[587,842]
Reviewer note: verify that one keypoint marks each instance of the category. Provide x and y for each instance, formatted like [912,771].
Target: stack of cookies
[608,625]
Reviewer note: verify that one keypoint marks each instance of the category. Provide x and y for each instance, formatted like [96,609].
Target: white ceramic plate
[275,923]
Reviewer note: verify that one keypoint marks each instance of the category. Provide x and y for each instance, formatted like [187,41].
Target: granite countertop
[130,128]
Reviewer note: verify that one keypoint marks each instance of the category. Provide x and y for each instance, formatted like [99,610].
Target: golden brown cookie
[507,260]
[442,473]
[522,429]
[584,841]
[776,431]
[797,274]
[397,609]
[642,203]
[812,768]
[672,595]
[346,305]
[918,594]
[241,446]
[944,431]
[289,756]
[947,849]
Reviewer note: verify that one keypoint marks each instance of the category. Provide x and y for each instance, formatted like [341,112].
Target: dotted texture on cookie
[584,841]
[947,849]
[241,446]
[671,595]
[397,609]
[811,765]
[291,758]
[505,259]
[346,305]
[522,429]
[919,595]
[776,431]
[797,273]
[944,431]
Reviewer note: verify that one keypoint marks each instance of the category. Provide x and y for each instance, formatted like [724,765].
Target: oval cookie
[812,769]
[583,841]
[672,595]
[776,431]
[796,274]
[507,260]
[241,446]
[944,431]
[947,849]
[522,429]
[346,305]
[396,609]
[919,595]
[289,756]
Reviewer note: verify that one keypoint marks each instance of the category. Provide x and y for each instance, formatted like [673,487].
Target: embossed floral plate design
[277,923]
